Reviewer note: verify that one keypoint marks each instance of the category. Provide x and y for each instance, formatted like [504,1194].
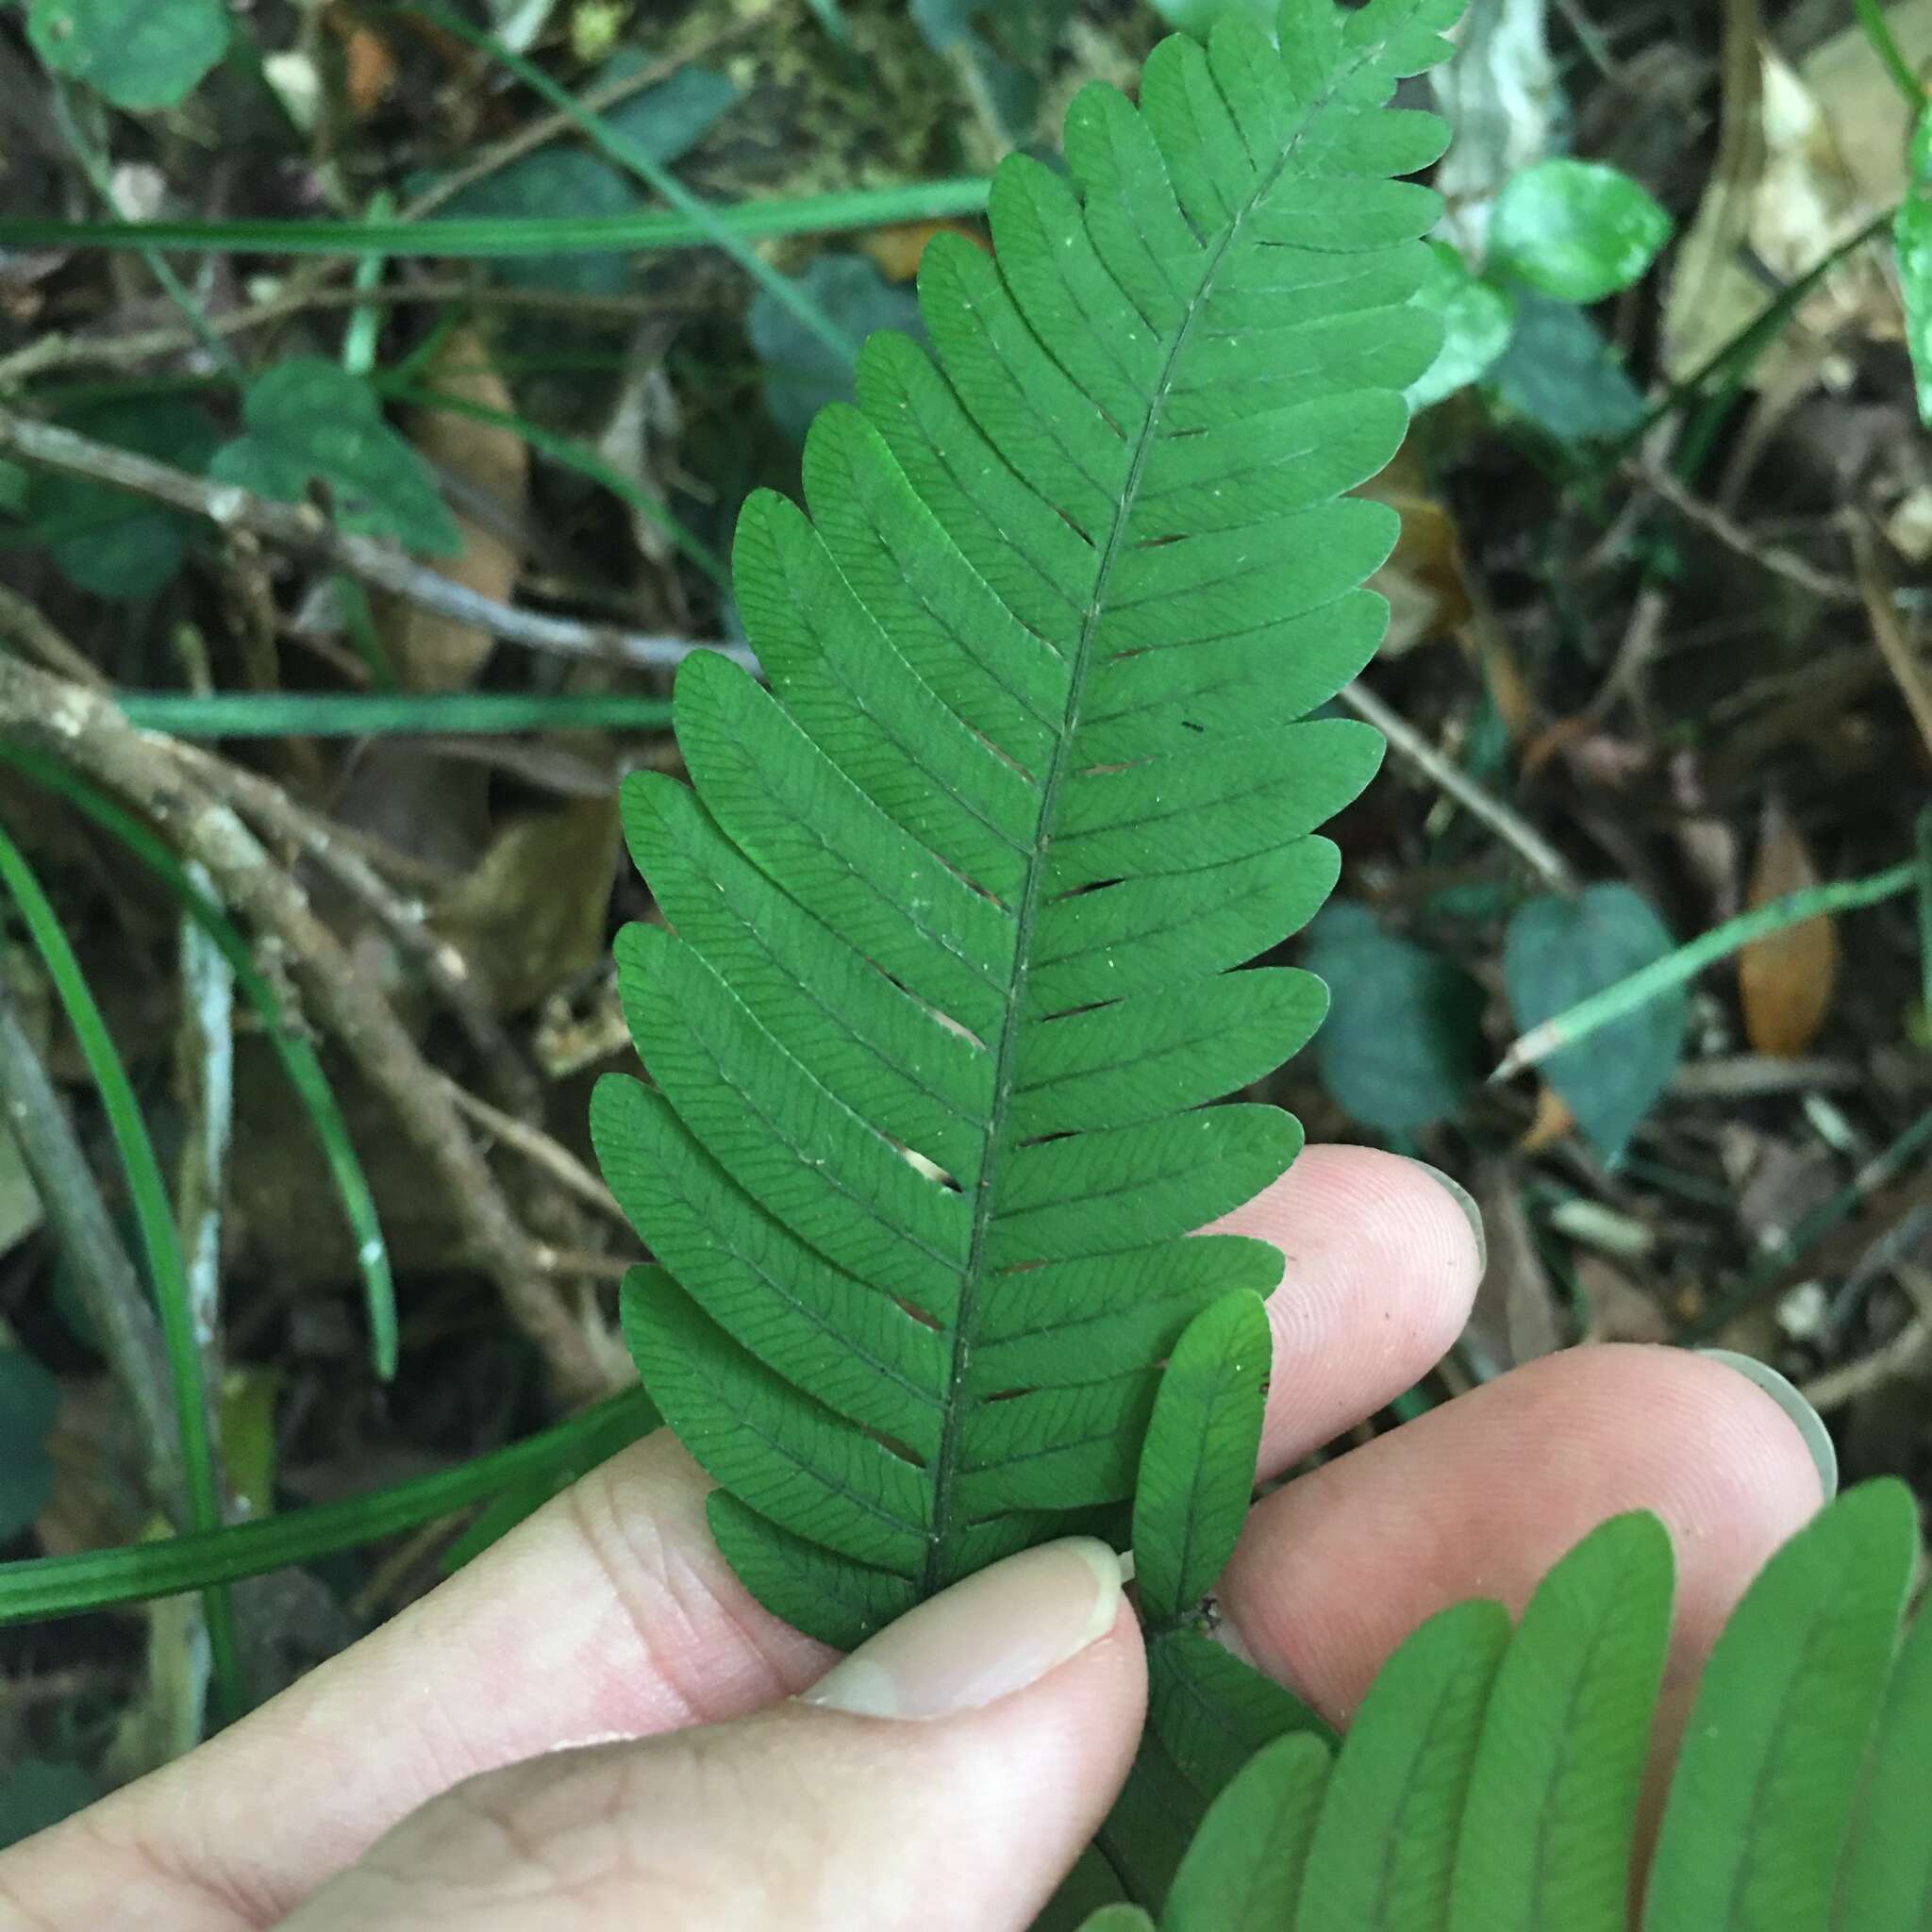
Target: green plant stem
[296,1054]
[438,714]
[1885,44]
[64,1586]
[155,1216]
[628,155]
[1589,1016]
[500,237]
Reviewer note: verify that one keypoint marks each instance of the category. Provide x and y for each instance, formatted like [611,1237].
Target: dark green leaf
[1913,237]
[309,421]
[1560,374]
[140,54]
[1560,950]
[104,540]
[1578,231]
[29,1398]
[1197,1466]
[36,1793]
[669,120]
[1207,1715]
[1403,1046]
[802,372]
[553,184]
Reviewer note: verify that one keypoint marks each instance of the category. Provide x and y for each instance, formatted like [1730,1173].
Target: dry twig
[302,528]
[1735,538]
[1542,856]
[1888,632]
[103,1275]
[86,730]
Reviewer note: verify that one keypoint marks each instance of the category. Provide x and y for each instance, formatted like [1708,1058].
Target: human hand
[593,1727]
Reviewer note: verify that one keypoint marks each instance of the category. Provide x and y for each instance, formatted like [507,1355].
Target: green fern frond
[1493,1780]
[954,907]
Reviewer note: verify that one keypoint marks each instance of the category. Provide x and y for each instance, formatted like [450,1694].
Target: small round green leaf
[105,541]
[1578,230]
[1402,1044]
[1558,952]
[1477,319]
[309,420]
[140,54]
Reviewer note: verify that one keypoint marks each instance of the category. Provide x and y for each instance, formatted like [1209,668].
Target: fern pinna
[954,907]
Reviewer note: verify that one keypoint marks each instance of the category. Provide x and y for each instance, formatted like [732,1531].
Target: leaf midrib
[946,1463]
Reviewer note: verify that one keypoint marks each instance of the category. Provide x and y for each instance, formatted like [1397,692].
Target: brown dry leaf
[369,69]
[489,470]
[897,249]
[532,913]
[1553,1121]
[1425,581]
[1615,1309]
[1516,1317]
[1788,978]
[1787,191]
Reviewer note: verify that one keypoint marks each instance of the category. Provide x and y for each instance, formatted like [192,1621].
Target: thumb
[944,1776]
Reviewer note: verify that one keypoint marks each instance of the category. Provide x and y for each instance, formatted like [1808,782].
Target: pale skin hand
[593,1727]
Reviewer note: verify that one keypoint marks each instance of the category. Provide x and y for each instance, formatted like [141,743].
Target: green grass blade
[65,1586]
[497,237]
[1886,1885]
[1677,969]
[292,1049]
[628,153]
[1757,1816]
[155,1215]
[1548,1833]
[434,714]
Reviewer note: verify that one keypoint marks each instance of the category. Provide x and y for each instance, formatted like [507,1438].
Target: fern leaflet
[954,907]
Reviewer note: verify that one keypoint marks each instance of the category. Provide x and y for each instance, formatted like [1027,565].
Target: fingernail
[1471,1212]
[1809,1423]
[984,1638]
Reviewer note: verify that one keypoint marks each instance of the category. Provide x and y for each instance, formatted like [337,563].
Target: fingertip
[1380,1270]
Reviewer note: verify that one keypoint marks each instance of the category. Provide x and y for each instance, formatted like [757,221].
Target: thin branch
[277,815]
[87,732]
[1888,632]
[1735,538]
[539,1147]
[1508,825]
[103,1278]
[23,624]
[302,528]
[52,352]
